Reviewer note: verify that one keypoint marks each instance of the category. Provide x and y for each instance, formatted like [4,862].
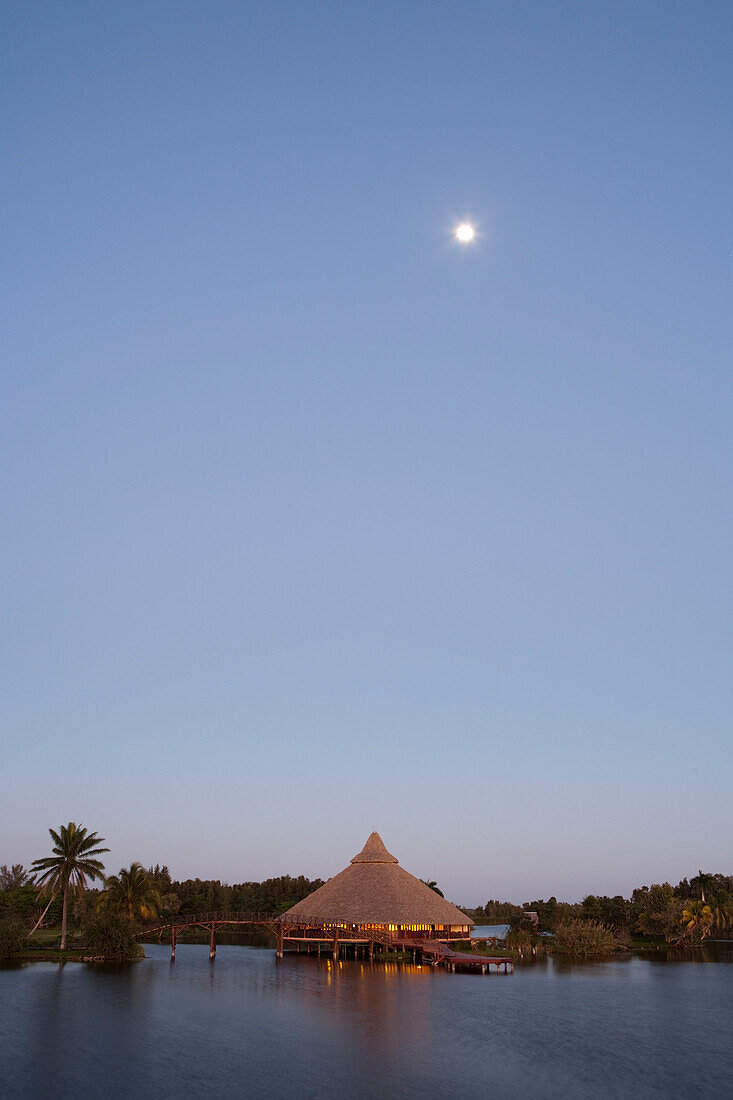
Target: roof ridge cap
[374,851]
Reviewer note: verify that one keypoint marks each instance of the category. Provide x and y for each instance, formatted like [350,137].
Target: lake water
[498,931]
[249,1026]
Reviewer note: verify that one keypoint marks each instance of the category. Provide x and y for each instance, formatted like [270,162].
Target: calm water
[248,1026]
[498,930]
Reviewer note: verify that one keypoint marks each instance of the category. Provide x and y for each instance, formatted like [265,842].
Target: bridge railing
[277,922]
[222,916]
[218,917]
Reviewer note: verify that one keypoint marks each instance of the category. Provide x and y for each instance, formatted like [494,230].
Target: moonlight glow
[465,233]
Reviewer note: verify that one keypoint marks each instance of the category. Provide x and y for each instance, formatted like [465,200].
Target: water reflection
[562,964]
[250,1025]
[720,951]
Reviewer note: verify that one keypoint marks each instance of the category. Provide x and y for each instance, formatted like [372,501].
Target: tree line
[693,909]
[195,895]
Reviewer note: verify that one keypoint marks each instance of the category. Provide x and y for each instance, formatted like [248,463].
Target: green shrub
[583,937]
[523,936]
[108,935]
[659,911]
[13,935]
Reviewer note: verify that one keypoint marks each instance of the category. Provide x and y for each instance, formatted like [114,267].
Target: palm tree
[698,917]
[703,881]
[72,863]
[721,905]
[132,893]
[432,885]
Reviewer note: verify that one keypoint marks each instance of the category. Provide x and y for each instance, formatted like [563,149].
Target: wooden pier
[442,954]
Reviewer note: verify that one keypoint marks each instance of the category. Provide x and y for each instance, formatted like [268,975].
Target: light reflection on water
[247,1025]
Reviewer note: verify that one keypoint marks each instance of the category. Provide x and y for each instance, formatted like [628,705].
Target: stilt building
[375,895]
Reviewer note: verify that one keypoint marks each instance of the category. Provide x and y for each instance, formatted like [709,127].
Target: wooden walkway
[334,937]
[442,954]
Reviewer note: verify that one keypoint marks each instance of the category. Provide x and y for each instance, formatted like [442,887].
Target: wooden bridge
[336,937]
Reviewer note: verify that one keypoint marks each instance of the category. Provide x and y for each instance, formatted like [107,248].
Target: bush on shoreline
[13,935]
[583,937]
[111,936]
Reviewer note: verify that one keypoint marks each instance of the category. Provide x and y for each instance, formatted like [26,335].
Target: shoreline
[675,954]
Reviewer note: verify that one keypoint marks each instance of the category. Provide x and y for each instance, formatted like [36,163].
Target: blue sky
[316,521]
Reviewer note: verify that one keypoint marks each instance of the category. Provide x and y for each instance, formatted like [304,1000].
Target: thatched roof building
[375,892]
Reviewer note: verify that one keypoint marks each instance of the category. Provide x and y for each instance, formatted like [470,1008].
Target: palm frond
[47,861]
[91,843]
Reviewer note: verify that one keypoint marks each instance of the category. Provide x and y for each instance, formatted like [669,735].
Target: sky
[316,521]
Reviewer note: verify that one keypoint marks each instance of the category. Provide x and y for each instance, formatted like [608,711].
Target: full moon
[464,233]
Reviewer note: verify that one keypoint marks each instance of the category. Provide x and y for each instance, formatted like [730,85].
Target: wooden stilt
[335,946]
[212,943]
[173,943]
[371,950]
[280,941]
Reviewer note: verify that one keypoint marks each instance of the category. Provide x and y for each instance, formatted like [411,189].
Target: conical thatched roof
[374,889]
[374,851]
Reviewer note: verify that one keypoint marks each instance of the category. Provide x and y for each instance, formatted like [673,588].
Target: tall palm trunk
[63,916]
[43,914]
